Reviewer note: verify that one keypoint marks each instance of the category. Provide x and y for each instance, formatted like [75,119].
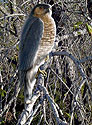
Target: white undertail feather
[29,83]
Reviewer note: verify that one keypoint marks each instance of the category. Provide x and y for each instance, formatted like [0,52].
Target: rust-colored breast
[49,31]
[48,38]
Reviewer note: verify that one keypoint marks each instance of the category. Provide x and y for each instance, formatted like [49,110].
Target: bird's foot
[47,58]
[43,72]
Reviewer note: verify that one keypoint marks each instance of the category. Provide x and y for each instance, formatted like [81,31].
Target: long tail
[27,78]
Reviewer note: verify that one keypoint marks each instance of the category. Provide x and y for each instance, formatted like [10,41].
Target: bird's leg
[41,70]
[47,58]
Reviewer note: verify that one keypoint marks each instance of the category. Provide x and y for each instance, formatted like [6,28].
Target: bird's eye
[41,8]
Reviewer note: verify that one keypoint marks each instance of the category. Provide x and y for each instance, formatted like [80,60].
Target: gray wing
[29,42]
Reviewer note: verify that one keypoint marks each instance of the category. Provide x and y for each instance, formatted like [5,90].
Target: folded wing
[29,42]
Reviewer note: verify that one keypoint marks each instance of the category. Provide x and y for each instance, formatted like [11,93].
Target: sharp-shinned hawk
[37,40]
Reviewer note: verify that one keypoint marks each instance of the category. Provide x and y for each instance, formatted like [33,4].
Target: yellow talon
[42,72]
[47,58]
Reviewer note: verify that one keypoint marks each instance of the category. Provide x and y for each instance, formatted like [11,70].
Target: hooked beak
[49,9]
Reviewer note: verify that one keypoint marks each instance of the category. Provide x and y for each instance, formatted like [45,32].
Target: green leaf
[14,10]
[17,47]
[76,25]
[79,23]
[2,122]
[89,28]
[64,80]
[2,92]
[65,94]
[68,114]
[82,89]
[79,33]
[75,115]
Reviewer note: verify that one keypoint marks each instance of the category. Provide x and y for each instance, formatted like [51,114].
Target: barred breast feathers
[49,29]
[48,38]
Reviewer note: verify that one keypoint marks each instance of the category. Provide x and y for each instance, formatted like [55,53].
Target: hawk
[37,40]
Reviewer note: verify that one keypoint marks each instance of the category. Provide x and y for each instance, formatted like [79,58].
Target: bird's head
[41,10]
